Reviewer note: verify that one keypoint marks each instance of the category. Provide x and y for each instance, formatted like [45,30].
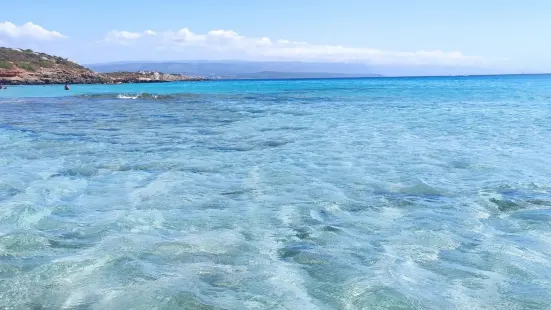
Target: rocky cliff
[20,67]
[28,67]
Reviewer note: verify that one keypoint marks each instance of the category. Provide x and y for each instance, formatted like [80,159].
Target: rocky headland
[27,67]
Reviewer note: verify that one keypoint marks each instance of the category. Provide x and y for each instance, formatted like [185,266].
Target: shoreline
[103,79]
[13,83]
[203,79]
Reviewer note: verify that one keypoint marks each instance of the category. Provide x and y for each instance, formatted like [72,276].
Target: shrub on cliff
[26,66]
[6,65]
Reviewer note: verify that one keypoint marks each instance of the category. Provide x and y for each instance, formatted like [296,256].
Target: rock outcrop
[20,67]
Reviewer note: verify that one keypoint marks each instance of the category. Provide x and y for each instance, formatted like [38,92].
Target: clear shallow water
[419,193]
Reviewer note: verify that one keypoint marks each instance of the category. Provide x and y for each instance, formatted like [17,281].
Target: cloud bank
[224,44]
[28,31]
[229,44]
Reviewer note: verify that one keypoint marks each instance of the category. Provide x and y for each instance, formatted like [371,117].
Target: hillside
[20,67]
[28,67]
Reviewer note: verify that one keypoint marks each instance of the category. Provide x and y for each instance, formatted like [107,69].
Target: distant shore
[98,78]
[27,67]
[149,77]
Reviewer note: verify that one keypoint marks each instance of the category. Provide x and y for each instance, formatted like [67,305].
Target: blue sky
[495,34]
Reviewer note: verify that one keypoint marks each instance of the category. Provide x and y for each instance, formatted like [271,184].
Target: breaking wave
[143,96]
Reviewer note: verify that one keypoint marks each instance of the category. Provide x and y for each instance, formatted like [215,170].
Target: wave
[143,96]
[120,96]
[269,98]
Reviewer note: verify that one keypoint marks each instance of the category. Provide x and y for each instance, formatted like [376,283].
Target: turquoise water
[399,193]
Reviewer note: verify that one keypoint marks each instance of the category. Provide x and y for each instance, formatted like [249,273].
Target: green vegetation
[60,61]
[40,68]
[26,66]
[5,65]
[46,64]
[31,61]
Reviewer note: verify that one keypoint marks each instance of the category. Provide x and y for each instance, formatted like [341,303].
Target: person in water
[67,86]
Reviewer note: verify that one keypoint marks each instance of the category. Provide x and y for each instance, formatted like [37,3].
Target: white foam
[125,96]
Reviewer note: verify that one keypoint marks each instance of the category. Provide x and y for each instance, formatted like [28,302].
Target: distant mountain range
[243,69]
[298,75]
[18,66]
[288,69]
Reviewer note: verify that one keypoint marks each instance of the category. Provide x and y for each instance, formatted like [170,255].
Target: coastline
[98,78]
[205,79]
[27,67]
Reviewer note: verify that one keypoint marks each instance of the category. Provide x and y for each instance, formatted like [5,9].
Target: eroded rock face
[56,78]
[28,67]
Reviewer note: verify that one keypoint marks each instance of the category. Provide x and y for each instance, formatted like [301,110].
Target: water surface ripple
[422,193]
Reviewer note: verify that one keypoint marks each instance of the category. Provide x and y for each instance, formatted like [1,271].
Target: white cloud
[229,44]
[124,37]
[225,34]
[185,35]
[264,41]
[28,30]
[289,42]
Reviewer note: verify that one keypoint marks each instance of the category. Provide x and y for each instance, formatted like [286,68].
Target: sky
[510,35]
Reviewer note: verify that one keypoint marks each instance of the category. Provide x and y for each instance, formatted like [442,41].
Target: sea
[376,193]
